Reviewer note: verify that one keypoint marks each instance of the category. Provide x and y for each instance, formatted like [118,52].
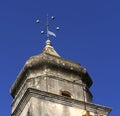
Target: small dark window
[66,94]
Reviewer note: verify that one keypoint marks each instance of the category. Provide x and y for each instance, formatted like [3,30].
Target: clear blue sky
[90,35]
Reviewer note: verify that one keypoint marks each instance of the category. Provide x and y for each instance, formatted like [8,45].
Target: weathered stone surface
[47,63]
[40,103]
[49,85]
[52,84]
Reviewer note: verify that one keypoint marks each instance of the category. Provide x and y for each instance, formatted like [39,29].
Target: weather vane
[49,26]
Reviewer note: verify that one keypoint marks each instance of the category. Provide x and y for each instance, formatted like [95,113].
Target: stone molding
[30,92]
[43,61]
[25,86]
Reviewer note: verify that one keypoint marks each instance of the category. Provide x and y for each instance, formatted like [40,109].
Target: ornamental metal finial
[48,27]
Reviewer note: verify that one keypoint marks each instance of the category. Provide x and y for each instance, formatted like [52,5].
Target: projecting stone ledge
[35,98]
[44,61]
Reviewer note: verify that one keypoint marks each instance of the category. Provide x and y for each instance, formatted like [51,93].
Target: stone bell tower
[49,85]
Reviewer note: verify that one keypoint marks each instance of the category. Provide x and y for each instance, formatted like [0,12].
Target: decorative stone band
[30,92]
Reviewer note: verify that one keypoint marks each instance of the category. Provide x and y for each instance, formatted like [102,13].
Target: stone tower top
[48,80]
[49,59]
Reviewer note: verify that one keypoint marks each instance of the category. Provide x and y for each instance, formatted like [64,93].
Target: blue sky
[90,35]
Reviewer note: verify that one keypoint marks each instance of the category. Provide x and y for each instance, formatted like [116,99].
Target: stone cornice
[47,60]
[57,99]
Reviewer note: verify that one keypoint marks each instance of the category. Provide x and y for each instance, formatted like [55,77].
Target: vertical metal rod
[47,26]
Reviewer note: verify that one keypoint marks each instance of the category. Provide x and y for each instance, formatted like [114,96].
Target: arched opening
[66,94]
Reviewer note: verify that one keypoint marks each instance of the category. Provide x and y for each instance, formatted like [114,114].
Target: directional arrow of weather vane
[49,25]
